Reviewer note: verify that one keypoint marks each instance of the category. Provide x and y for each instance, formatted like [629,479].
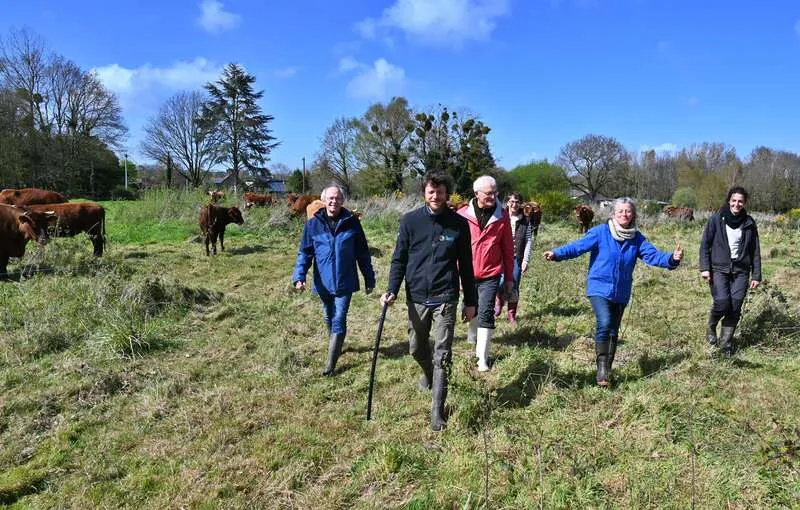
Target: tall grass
[158,377]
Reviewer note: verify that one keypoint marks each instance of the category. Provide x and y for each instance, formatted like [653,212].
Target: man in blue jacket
[434,255]
[335,242]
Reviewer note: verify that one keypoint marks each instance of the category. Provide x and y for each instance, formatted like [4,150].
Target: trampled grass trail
[156,377]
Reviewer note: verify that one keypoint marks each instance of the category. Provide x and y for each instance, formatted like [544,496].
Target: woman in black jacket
[729,254]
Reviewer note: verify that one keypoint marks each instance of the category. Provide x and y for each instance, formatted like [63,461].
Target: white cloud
[287,72]
[664,147]
[380,81]
[215,19]
[438,22]
[143,87]
[348,64]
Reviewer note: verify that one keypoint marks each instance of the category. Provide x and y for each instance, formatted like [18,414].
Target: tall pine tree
[233,113]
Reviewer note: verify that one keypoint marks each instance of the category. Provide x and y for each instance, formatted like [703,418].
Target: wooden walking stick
[375,360]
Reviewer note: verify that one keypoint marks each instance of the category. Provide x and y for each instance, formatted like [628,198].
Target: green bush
[555,205]
[685,197]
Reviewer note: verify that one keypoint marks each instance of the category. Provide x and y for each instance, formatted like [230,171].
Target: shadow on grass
[246,250]
[558,309]
[136,255]
[375,252]
[647,367]
[391,351]
[528,335]
[526,386]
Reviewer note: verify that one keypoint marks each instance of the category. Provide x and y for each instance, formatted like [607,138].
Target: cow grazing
[300,204]
[534,213]
[213,219]
[313,207]
[679,213]
[17,227]
[215,196]
[29,196]
[585,215]
[76,217]
[251,199]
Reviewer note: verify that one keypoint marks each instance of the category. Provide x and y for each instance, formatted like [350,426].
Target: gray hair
[482,181]
[326,188]
[622,201]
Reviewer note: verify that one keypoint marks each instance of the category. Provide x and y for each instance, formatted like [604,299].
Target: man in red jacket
[492,256]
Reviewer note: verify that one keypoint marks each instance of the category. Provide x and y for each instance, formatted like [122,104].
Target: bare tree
[174,136]
[337,149]
[592,162]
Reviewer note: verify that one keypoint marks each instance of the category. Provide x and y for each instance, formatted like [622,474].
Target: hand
[678,253]
[301,286]
[388,299]
[549,255]
[368,290]
[524,267]
[468,313]
[706,275]
[754,284]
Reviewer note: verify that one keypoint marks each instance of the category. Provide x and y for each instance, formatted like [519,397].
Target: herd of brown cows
[32,214]
[585,215]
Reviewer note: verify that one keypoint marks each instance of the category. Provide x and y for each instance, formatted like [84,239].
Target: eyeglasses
[489,193]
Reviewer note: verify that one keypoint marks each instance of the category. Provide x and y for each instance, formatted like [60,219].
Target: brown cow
[313,207]
[585,215]
[213,219]
[298,207]
[215,196]
[251,199]
[679,213]
[17,227]
[534,214]
[29,196]
[77,217]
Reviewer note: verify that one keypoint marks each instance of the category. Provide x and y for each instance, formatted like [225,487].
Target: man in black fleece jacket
[433,254]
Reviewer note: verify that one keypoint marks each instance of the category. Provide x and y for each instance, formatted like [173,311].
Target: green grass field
[157,377]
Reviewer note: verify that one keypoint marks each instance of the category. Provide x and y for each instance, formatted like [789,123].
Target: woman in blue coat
[335,242]
[614,248]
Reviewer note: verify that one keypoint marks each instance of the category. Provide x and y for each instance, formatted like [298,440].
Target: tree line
[60,128]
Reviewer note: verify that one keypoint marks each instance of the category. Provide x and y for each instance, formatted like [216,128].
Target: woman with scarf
[614,247]
[729,254]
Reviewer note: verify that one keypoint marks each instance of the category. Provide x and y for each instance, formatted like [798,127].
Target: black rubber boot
[601,353]
[334,351]
[726,344]
[438,421]
[423,359]
[711,330]
[612,351]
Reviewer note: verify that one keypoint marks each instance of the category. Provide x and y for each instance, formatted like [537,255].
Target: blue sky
[541,73]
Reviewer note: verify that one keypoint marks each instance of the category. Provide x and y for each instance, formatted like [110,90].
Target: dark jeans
[334,311]
[728,291]
[517,277]
[608,316]
[487,291]
[425,322]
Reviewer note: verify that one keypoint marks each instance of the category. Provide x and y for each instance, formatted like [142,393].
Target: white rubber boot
[472,331]
[482,348]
